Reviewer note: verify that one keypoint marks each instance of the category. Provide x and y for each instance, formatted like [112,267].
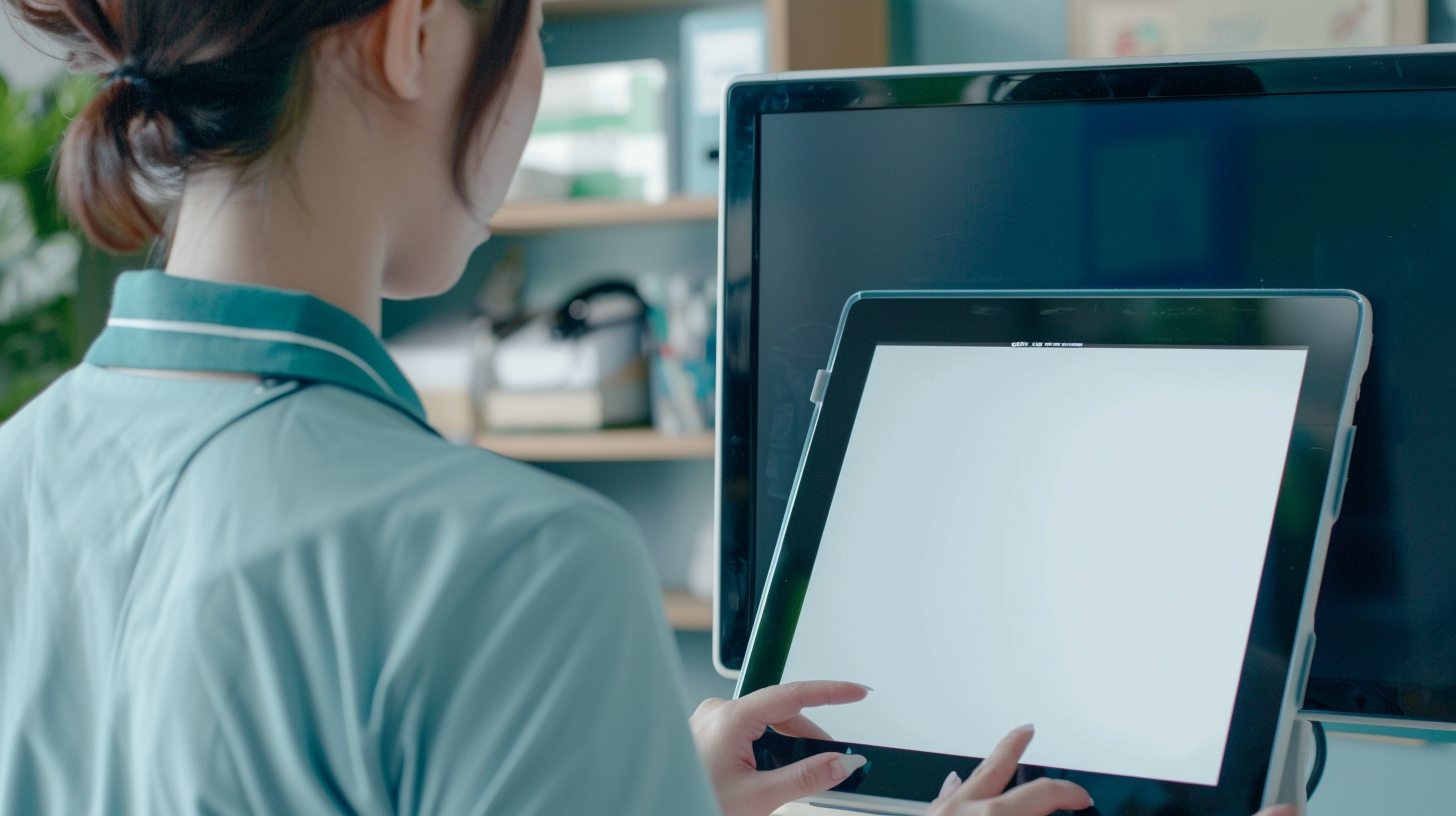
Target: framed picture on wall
[1144,28]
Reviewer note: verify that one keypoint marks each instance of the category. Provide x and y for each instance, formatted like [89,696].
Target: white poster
[1139,28]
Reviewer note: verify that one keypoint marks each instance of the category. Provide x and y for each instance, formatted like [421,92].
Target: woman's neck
[310,227]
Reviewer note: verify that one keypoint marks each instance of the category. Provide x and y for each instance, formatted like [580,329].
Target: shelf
[687,613]
[628,445]
[545,216]
[573,8]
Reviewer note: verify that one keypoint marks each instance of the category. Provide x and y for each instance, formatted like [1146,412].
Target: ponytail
[101,172]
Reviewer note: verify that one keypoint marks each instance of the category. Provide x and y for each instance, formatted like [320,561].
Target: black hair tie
[146,88]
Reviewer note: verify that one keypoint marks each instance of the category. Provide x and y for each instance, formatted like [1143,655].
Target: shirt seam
[148,540]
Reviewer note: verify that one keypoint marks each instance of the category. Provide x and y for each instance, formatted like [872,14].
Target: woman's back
[238,574]
[286,595]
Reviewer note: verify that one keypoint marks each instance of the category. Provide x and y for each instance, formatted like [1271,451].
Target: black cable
[1320,749]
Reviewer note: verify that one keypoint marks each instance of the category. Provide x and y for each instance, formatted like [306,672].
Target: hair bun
[118,145]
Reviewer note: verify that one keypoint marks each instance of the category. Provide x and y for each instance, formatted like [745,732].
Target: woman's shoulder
[333,458]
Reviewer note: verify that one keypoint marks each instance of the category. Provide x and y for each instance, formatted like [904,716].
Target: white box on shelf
[439,361]
[620,400]
[533,359]
[601,127]
[592,380]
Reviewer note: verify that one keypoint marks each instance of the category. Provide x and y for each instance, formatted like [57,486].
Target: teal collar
[163,321]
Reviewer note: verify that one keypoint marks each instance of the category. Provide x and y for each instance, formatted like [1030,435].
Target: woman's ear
[403,41]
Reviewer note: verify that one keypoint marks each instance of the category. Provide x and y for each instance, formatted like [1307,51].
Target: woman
[238,573]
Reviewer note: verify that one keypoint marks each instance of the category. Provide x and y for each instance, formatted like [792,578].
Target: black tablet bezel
[1329,324]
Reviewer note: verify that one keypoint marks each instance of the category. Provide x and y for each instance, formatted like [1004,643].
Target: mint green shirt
[289,596]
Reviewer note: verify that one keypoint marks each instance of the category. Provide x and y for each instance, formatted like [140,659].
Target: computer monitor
[1328,170]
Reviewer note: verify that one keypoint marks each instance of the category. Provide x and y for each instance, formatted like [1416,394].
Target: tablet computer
[1101,513]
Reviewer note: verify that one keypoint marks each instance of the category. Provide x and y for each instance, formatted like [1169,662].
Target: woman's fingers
[1042,797]
[948,786]
[806,777]
[997,770]
[780,704]
[801,726]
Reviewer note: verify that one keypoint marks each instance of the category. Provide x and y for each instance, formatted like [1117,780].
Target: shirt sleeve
[547,685]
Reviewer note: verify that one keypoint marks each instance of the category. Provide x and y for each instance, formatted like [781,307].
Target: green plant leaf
[38,251]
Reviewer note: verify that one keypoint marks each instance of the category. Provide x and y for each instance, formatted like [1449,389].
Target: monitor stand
[1296,765]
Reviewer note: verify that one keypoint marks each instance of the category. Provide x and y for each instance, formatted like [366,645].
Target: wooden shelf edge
[687,613]
[526,217]
[628,445]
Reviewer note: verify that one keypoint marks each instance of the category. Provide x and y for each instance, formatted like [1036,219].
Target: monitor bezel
[746,99]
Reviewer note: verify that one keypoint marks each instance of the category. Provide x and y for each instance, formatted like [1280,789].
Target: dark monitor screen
[1277,174]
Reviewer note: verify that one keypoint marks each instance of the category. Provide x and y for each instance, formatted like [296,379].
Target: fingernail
[1027,727]
[847,764]
[949,785]
[863,686]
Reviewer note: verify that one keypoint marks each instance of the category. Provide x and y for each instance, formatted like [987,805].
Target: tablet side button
[1308,661]
[821,384]
[1344,470]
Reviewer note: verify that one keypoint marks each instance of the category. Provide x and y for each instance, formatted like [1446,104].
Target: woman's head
[228,88]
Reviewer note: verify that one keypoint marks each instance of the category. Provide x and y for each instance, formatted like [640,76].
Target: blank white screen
[1071,537]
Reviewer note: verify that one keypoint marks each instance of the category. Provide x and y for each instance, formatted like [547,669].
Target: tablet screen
[1066,536]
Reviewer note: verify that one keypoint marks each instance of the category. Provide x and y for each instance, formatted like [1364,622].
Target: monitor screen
[928,183]
[1075,533]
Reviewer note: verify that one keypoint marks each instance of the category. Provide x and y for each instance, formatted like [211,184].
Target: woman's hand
[725,730]
[981,793]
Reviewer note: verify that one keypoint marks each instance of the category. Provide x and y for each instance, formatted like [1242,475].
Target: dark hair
[193,83]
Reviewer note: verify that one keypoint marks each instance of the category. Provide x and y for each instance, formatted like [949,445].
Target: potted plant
[39,254]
